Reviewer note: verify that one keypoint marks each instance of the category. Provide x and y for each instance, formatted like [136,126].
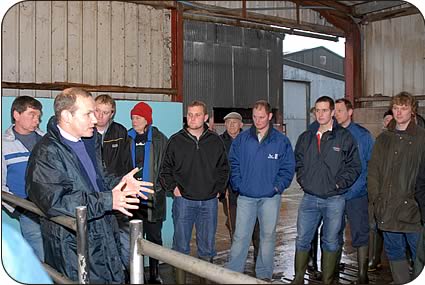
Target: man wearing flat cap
[233,123]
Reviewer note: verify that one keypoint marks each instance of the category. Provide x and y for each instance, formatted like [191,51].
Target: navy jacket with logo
[331,171]
[260,170]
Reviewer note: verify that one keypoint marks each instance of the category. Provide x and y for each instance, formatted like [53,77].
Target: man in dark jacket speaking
[65,171]
[327,164]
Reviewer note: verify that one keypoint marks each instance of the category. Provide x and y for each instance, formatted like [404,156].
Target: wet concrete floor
[285,249]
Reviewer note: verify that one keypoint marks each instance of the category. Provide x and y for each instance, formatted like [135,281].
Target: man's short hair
[263,104]
[198,103]
[347,103]
[388,113]
[106,99]
[22,103]
[66,100]
[327,99]
[405,98]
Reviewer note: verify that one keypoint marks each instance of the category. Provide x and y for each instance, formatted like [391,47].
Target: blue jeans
[202,214]
[248,210]
[310,212]
[30,228]
[356,210]
[395,244]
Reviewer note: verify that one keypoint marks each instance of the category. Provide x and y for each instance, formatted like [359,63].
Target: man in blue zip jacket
[327,164]
[356,202]
[262,167]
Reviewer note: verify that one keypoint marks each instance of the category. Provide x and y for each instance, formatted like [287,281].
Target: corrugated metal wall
[92,42]
[228,66]
[394,56]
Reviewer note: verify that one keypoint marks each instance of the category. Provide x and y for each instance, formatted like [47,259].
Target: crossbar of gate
[201,268]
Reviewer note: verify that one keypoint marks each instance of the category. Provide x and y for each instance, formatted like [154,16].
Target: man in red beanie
[147,148]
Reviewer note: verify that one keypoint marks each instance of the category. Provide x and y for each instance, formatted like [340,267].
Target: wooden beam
[249,25]
[91,88]
[390,14]
[352,64]
[177,38]
[261,19]
[156,4]
[384,98]
[374,6]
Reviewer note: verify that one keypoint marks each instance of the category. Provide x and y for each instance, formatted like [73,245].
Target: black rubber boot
[329,263]
[154,277]
[362,261]
[377,243]
[400,271]
[301,260]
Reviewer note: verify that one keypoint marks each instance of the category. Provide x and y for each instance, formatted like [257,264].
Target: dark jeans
[395,244]
[356,211]
[201,214]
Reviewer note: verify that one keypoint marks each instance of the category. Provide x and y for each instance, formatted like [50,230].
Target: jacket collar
[411,128]
[9,135]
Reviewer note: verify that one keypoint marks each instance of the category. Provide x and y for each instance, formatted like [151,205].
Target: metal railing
[139,248]
[79,225]
[201,268]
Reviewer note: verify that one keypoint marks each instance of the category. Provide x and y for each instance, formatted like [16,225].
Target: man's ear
[66,116]
[206,117]
[15,115]
[270,116]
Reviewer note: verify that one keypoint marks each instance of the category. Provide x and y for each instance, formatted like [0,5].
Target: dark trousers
[356,211]
[152,232]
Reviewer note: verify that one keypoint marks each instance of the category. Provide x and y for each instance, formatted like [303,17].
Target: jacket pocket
[407,211]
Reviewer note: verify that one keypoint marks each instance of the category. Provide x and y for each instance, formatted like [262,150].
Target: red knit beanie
[143,110]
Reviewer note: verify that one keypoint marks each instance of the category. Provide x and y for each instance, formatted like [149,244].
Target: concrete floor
[285,249]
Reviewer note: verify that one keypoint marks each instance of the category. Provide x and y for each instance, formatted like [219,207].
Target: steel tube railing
[79,225]
[30,206]
[82,245]
[196,266]
[136,257]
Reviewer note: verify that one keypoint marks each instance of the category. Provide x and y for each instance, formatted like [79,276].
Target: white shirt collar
[67,135]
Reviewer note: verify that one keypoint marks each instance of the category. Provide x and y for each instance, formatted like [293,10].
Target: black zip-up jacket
[116,150]
[332,170]
[199,168]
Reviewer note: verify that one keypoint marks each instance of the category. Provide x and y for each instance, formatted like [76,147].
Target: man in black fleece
[196,170]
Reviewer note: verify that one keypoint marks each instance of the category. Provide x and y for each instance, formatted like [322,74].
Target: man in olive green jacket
[393,170]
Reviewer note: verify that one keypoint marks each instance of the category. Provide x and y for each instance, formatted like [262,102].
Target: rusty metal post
[136,258]
[82,245]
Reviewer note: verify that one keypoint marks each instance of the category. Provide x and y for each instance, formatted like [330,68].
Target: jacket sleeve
[365,152]
[161,151]
[420,189]
[222,168]
[352,164]
[234,161]
[4,185]
[374,174]
[300,149]
[166,173]
[286,167]
[53,186]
